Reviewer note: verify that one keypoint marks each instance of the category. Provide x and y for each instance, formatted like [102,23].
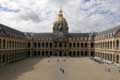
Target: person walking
[63,71]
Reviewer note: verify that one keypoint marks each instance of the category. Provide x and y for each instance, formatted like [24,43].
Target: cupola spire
[60,12]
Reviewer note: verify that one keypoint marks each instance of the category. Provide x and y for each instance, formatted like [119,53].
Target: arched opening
[42,53]
[60,53]
[43,45]
[46,45]
[35,53]
[39,45]
[81,53]
[78,54]
[77,44]
[46,53]
[86,45]
[29,45]
[86,53]
[110,57]
[50,45]
[81,45]
[35,45]
[117,59]
[55,54]
[39,53]
[117,44]
[60,44]
[92,45]
[50,53]
[65,54]
[70,45]
[110,44]
[3,43]
[0,43]
[92,54]
[0,58]
[73,53]
[73,44]
[3,57]
[70,53]
[28,53]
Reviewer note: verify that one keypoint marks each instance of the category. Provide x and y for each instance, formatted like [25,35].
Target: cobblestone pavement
[56,68]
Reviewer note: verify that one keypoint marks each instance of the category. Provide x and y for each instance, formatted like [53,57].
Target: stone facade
[107,45]
[16,45]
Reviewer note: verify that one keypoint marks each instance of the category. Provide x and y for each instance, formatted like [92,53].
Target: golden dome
[60,17]
[60,24]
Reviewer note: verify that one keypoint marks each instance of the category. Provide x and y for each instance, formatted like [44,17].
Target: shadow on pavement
[14,70]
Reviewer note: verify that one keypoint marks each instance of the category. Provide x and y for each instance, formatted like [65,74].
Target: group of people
[62,70]
[107,70]
[57,60]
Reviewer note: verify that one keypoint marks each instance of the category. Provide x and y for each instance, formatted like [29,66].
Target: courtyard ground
[50,69]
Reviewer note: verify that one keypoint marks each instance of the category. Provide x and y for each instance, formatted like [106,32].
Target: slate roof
[79,34]
[7,30]
[38,35]
[113,30]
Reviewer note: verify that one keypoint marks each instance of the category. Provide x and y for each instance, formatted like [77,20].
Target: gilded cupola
[60,24]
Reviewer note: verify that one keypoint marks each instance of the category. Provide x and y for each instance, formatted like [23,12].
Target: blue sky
[6,9]
[39,15]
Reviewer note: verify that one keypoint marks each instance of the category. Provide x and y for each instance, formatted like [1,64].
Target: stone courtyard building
[16,45]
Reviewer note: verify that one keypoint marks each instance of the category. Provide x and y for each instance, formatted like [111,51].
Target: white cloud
[82,15]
